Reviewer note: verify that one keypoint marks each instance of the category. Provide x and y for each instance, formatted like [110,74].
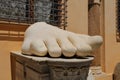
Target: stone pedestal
[44,68]
[69,69]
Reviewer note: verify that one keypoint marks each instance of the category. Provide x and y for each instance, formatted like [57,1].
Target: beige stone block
[103,76]
[96,73]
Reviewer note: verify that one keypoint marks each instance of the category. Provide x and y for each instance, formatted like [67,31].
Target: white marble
[42,39]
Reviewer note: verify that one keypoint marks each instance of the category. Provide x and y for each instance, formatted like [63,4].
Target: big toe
[95,41]
[83,49]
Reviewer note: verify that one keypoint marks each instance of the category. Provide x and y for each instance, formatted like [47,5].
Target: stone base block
[103,77]
[25,67]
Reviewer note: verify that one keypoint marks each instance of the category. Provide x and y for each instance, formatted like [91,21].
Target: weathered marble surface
[20,9]
[13,9]
[42,39]
[42,10]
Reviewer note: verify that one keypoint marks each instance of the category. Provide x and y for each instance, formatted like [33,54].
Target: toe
[26,47]
[53,48]
[83,49]
[38,48]
[67,47]
[95,41]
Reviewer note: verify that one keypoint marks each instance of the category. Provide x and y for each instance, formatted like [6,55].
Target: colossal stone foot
[42,39]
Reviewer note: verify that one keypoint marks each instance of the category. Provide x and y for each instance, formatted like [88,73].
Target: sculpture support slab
[74,69]
[44,68]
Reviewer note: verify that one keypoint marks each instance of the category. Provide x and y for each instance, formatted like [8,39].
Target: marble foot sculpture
[42,39]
